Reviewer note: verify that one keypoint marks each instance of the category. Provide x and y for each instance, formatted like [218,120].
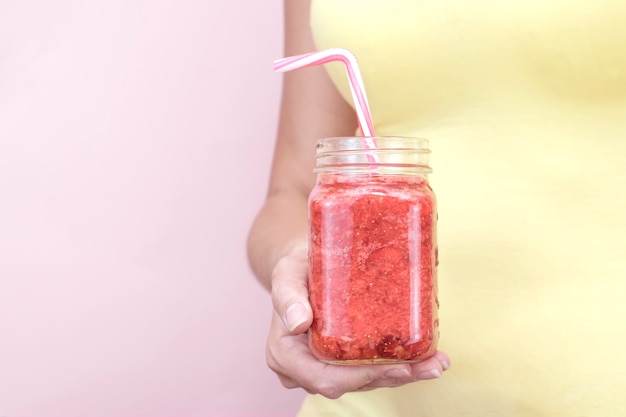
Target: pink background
[135,140]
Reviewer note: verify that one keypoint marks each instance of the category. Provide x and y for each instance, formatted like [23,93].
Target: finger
[399,374]
[431,368]
[297,367]
[333,381]
[443,359]
[290,295]
[391,377]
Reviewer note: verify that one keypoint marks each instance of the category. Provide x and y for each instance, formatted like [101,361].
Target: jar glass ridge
[390,155]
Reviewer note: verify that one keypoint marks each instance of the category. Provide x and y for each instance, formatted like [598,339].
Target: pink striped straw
[354,75]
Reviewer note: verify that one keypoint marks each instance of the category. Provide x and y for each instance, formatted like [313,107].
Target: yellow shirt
[525,107]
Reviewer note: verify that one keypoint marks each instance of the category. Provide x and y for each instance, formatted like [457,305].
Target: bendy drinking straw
[354,75]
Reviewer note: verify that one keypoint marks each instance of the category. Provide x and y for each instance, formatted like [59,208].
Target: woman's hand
[288,352]
[312,108]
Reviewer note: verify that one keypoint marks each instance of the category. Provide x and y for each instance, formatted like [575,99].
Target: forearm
[279,228]
[311,109]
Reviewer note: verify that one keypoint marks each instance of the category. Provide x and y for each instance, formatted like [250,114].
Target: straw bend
[349,60]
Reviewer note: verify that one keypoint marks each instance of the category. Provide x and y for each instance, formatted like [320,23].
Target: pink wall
[135,140]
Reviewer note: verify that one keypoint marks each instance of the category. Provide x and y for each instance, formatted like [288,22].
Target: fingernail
[445,365]
[397,373]
[295,315]
[433,373]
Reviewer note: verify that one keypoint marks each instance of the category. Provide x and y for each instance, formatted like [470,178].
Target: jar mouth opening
[379,154]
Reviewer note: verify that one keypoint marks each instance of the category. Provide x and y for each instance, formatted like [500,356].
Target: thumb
[297,317]
[290,295]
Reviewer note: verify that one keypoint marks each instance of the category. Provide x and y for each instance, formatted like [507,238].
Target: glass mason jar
[373,252]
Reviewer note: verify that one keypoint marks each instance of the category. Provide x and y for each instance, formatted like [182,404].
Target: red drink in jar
[373,252]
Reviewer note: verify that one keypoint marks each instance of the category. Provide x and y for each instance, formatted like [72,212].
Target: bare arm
[311,109]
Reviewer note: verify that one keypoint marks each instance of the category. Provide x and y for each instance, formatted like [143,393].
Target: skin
[311,109]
